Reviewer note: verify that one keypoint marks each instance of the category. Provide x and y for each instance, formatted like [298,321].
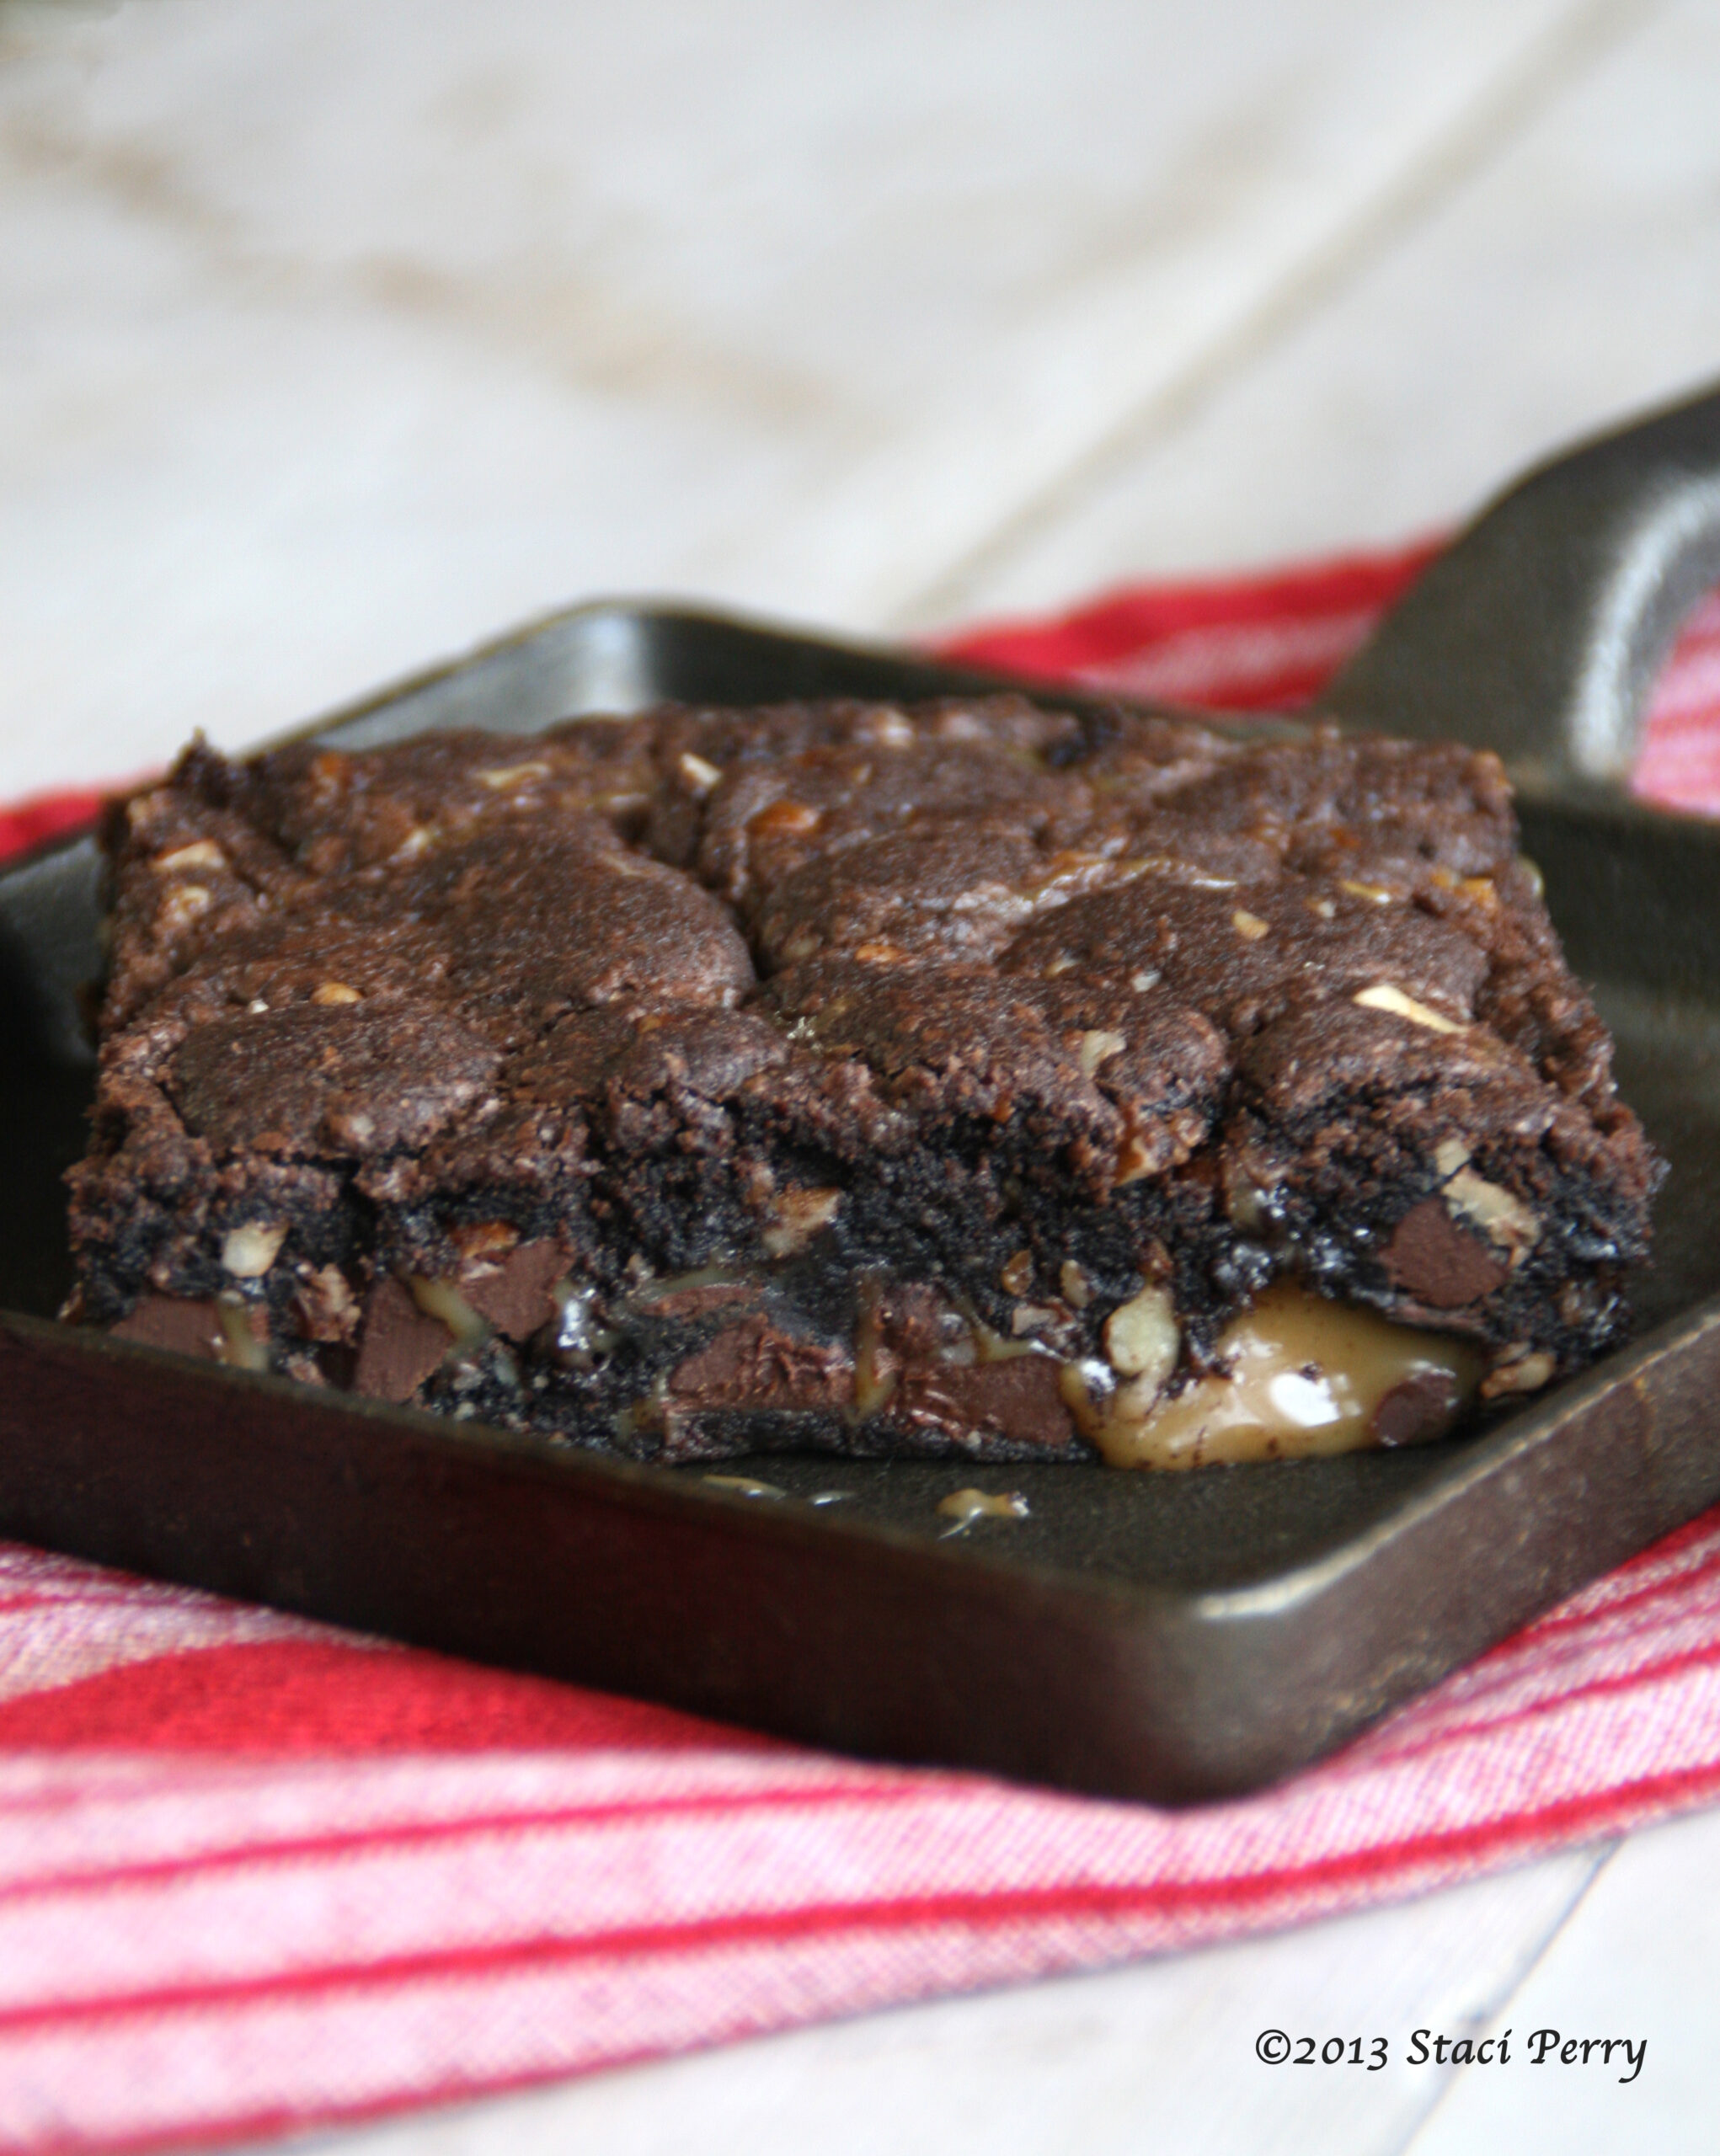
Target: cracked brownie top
[1011,1011]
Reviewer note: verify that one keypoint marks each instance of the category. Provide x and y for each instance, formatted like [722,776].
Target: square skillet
[1163,1637]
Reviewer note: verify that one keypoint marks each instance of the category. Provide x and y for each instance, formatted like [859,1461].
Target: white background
[335,337]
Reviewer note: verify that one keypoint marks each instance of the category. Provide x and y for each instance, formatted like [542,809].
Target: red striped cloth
[1270,642]
[256,1874]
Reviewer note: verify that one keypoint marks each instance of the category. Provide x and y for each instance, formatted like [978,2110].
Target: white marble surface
[1568,275]
[334,337]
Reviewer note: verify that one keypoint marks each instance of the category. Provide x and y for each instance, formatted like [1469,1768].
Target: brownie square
[969,1078]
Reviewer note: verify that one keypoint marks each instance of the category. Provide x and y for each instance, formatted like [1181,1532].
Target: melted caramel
[238,1347]
[744,1485]
[964,1507]
[1304,1375]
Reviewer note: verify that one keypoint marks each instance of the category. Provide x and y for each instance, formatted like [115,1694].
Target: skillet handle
[1540,632]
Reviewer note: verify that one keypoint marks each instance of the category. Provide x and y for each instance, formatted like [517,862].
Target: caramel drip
[1303,1375]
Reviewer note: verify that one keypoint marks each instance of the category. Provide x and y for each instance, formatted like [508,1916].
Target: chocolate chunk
[400,1346]
[514,1296]
[1017,1401]
[189,1328]
[1415,1413]
[755,1363]
[1438,1262]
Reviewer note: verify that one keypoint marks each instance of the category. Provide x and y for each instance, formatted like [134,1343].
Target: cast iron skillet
[1163,1637]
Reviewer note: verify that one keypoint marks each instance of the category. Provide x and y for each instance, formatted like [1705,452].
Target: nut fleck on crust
[967,1079]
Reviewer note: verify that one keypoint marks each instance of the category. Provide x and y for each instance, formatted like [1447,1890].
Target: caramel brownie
[968,1078]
